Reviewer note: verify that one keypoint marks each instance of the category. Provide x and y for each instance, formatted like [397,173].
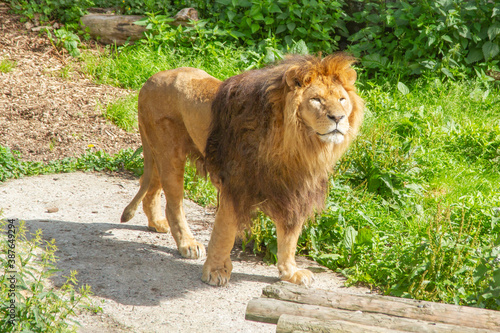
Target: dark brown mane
[258,151]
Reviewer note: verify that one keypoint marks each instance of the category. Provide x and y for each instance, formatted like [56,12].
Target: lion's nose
[335,118]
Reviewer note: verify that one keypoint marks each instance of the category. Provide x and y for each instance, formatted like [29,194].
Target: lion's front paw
[159,226]
[192,250]
[301,276]
[217,276]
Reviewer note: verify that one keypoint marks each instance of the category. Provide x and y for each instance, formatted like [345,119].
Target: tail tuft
[127,215]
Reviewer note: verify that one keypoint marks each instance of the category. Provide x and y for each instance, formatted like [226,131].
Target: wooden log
[269,310]
[297,324]
[117,29]
[113,29]
[394,306]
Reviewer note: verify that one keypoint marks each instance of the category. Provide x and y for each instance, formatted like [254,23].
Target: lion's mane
[260,153]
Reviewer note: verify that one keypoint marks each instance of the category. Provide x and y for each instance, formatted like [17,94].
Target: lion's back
[182,95]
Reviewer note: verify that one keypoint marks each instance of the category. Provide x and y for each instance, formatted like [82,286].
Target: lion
[268,138]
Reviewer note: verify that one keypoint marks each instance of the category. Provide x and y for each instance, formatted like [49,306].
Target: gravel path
[138,276]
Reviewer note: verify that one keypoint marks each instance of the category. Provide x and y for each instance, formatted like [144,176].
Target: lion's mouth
[334,136]
[335,131]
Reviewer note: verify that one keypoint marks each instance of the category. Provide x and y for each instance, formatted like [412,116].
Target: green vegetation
[65,40]
[12,167]
[123,112]
[414,207]
[38,307]
[7,65]
[448,38]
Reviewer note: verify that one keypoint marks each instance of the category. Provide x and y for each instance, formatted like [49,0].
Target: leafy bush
[446,36]
[38,307]
[65,39]
[65,11]
[317,22]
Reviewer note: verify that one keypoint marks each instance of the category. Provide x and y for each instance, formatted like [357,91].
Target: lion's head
[277,132]
[325,107]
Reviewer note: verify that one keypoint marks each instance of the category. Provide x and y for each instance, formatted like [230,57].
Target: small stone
[52,210]
[28,25]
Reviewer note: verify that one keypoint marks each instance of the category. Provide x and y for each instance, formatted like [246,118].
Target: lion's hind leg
[287,245]
[170,164]
[152,206]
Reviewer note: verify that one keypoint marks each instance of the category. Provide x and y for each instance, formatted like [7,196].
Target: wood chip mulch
[43,115]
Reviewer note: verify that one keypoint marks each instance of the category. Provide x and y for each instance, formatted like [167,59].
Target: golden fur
[268,138]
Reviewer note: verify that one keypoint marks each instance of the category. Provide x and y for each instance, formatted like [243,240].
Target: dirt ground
[137,276]
[48,108]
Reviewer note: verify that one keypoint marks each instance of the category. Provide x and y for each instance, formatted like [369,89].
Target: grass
[123,112]
[12,167]
[7,65]
[131,67]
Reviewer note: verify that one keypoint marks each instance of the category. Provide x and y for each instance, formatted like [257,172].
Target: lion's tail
[129,211]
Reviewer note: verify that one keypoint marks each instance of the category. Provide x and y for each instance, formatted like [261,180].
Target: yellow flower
[90,146]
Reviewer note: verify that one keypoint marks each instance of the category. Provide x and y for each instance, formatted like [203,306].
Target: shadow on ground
[128,263]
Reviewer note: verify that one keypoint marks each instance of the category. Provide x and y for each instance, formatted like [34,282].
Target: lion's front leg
[287,244]
[217,268]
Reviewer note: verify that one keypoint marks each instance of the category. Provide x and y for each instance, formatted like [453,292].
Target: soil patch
[43,115]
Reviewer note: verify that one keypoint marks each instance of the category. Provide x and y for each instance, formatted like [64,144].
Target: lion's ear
[349,76]
[291,78]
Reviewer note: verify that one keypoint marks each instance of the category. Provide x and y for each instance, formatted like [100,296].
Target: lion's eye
[316,101]
[342,101]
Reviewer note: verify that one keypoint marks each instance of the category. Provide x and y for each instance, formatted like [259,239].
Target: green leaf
[365,236]
[493,31]
[490,50]
[495,12]
[142,22]
[446,38]
[291,26]
[258,17]
[374,60]
[349,237]
[403,89]
[302,30]
[447,72]
[474,56]
[231,15]
[330,256]
[223,2]
[255,10]
[275,8]
[255,27]
[269,20]
[299,47]
[280,28]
